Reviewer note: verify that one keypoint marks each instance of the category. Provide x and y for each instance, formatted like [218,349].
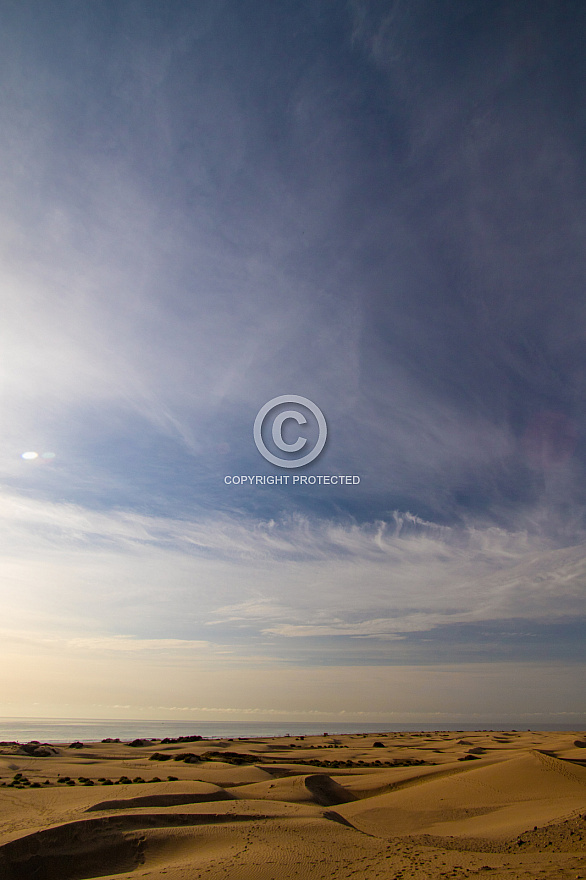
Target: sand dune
[500,800]
[211,793]
[317,788]
[325,807]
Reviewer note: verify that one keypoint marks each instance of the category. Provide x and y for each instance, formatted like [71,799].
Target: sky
[378,207]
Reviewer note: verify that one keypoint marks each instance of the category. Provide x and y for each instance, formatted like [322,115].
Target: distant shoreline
[65,730]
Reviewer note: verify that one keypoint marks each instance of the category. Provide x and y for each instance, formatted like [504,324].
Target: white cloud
[137,646]
[89,576]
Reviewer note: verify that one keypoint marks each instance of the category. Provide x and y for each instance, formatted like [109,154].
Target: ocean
[67,730]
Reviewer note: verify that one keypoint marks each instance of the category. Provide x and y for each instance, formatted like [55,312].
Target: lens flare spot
[29,456]
[48,455]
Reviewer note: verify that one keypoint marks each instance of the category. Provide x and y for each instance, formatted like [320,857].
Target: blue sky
[376,206]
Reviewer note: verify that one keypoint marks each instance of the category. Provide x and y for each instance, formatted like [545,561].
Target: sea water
[66,730]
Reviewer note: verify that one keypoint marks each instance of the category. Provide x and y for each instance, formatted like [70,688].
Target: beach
[457,804]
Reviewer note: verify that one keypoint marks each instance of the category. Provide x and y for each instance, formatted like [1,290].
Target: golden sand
[400,806]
